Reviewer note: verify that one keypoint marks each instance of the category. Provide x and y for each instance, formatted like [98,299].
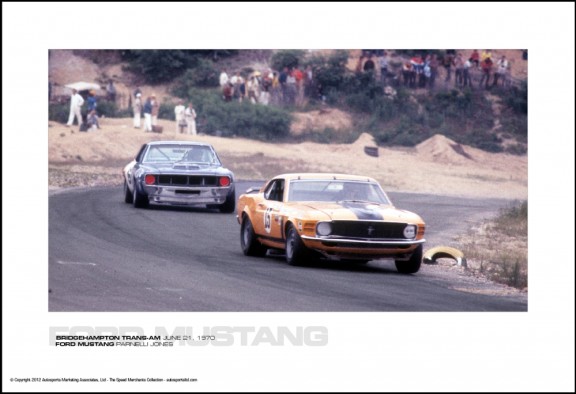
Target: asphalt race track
[105,255]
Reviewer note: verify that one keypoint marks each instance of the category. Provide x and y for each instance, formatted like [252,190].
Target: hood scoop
[180,166]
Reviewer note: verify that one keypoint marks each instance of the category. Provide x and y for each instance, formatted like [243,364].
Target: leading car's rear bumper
[187,195]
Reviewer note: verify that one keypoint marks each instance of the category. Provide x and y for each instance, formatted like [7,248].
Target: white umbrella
[79,86]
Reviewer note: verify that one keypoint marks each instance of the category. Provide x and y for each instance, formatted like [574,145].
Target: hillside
[437,165]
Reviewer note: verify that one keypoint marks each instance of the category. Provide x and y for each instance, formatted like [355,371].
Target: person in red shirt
[486,71]
[475,57]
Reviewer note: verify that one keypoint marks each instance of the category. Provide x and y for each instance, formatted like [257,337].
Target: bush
[329,71]
[217,117]
[286,58]
[59,112]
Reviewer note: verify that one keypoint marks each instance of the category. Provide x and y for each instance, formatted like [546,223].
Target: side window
[140,154]
[275,191]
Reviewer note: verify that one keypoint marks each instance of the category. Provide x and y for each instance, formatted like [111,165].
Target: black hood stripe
[361,210]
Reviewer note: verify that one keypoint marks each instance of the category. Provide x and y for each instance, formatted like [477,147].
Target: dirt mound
[442,149]
[320,120]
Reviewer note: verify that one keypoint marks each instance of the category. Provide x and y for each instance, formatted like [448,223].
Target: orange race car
[341,217]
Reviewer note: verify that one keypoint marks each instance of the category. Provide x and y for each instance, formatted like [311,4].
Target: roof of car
[178,143]
[326,176]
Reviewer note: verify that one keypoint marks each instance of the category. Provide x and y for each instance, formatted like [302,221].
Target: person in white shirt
[179,114]
[190,116]
[76,102]
[137,108]
[501,71]
[223,79]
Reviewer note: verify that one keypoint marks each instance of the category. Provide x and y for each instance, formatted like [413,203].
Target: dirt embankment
[436,166]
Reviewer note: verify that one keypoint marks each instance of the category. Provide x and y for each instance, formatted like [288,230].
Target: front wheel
[139,200]
[127,193]
[230,204]
[296,251]
[413,265]
[250,245]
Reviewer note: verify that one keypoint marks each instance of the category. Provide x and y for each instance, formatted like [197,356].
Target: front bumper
[187,195]
[346,247]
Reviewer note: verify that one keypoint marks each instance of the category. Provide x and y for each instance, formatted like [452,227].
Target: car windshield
[181,153]
[336,190]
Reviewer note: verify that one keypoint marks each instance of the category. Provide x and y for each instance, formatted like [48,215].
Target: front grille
[368,229]
[187,180]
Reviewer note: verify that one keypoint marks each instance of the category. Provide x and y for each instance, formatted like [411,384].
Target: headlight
[410,231]
[324,228]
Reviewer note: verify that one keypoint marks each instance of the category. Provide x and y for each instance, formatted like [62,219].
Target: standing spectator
[223,82]
[235,81]
[501,70]
[459,70]
[466,77]
[418,70]
[111,91]
[148,115]
[253,89]
[433,70]
[190,116]
[91,100]
[223,79]
[407,73]
[309,84]
[299,76]
[276,93]
[137,109]
[155,109]
[383,64]
[137,91]
[475,58]
[448,63]
[486,53]
[282,78]
[486,66]
[427,74]
[266,87]
[290,88]
[179,110]
[228,92]
[76,102]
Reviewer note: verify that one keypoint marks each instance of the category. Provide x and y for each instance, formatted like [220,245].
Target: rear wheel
[413,265]
[296,251]
[138,199]
[127,193]
[250,245]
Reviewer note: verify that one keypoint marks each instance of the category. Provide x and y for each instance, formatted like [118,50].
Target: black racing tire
[248,241]
[413,265]
[229,205]
[296,252]
[128,198]
[139,200]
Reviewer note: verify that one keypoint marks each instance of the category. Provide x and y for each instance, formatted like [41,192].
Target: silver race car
[179,173]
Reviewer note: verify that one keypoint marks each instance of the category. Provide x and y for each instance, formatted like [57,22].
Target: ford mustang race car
[340,217]
[179,173]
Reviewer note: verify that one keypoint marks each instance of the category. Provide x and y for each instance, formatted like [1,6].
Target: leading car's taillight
[150,179]
[224,181]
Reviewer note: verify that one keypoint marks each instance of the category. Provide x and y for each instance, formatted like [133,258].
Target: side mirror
[252,190]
